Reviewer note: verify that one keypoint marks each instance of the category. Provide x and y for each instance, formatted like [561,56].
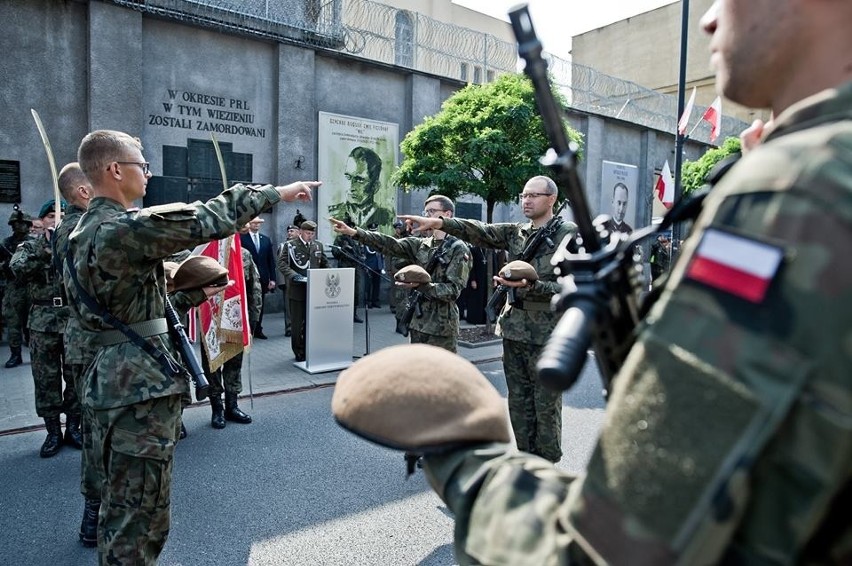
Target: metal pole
[679,138]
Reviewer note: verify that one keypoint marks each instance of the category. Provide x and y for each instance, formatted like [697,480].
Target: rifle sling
[169,366]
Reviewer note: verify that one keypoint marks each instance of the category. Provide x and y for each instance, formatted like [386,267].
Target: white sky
[556,21]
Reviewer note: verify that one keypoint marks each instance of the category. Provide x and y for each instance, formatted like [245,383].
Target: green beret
[413,274]
[518,270]
[419,398]
[48,207]
[309,226]
[199,271]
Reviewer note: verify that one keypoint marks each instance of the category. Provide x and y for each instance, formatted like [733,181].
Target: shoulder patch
[735,264]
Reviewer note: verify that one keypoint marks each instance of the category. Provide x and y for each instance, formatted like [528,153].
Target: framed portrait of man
[618,196]
[356,159]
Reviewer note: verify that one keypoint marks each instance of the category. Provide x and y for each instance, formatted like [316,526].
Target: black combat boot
[233,412]
[89,526]
[15,359]
[217,420]
[73,436]
[53,442]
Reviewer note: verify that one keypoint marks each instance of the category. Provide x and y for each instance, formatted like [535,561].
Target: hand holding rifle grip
[187,353]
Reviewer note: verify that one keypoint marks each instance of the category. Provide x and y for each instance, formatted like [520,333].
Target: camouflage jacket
[294,261]
[728,435]
[32,264]
[118,257]
[254,293]
[80,345]
[532,322]
[7,250]
[350,246]
[440,312]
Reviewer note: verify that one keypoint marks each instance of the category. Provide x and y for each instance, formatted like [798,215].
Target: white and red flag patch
[735,264]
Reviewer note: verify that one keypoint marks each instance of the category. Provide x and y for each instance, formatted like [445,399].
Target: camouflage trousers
[227,379]
[449,343]
[16,309]
[91,473]
[535,412]
[137,445]
[48,358]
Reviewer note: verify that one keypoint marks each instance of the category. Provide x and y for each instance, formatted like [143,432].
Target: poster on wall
[618,195]
[356,160]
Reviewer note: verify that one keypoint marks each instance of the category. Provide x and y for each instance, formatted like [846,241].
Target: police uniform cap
[20,216]
[412,274]
[309,225]
[518,270]
[49,206]
[419,398]
[199,271]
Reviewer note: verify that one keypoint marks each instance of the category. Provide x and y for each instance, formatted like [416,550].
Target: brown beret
[199,271]
[169,267]
[413,274]
[308,225]
[419,398]
[518,270]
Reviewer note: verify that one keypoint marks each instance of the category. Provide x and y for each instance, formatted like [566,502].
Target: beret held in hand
[170,267]
[419,398]
[413,274]
[199,271]
[518,270]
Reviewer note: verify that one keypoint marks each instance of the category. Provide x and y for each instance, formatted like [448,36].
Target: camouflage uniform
[80,348]
[728,435]
[294,261]
[535,412]
[34,270]
[349,245]
[16,297]
[439,325]
[118,260]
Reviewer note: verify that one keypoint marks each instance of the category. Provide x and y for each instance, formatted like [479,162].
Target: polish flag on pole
[684,119]
[665,186]
[735,264]
[713,114]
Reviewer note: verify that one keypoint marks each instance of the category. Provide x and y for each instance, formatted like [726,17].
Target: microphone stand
[360,263]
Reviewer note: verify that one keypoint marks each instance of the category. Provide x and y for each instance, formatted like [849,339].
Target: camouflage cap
[518,270]
[309,225]
[413,274]
[199,271]
[419,398]
[20,216]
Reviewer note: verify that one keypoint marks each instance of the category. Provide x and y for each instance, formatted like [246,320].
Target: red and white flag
[687,112]
[713,114]
[735,264]
[224,317]
[665,186]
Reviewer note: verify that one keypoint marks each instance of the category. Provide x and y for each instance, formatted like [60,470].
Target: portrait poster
[618,195]
[356,159]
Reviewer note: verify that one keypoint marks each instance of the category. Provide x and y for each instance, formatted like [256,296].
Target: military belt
[54,302]
[144,329]
[531,305]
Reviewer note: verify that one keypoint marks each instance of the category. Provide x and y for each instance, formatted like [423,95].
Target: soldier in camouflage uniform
[118,269]
[16,297]
[80,348]
[345,248]
[536,412]
[296,258]
[439,325]
[728,436]
[34,268]
[228,378]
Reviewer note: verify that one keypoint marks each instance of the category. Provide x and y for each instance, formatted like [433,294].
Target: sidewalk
[269,365]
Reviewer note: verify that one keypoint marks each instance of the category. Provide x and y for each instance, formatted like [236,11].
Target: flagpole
[679,138]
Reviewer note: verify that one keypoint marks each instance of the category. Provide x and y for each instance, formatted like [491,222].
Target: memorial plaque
[10,181]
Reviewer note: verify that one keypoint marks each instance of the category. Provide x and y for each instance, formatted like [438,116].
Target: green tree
[694,173]
[486,141]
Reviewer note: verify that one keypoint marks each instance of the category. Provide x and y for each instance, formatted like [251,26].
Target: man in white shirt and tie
[260,247]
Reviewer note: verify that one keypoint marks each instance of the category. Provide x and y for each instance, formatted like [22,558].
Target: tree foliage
[694,173]
[486,140]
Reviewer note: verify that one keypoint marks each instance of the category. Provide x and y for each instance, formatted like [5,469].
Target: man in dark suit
[260,247]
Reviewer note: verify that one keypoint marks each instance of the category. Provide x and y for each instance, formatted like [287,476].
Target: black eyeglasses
[146,167]
[525,196]
[431,211]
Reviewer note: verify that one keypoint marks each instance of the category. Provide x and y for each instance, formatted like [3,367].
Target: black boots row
[230,411]
[54,441]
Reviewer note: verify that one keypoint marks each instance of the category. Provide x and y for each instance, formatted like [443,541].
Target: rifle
[543,236]
[603,309]
[178,332]
[415,297]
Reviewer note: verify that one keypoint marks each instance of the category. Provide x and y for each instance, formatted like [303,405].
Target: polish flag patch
[735,264]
